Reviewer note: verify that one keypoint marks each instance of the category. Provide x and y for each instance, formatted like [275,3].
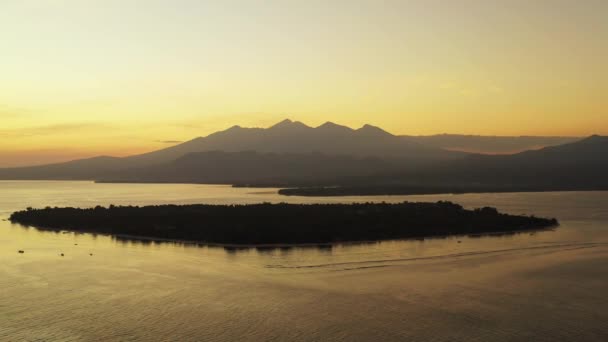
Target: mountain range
[287,136]
[295,137]
[293,154]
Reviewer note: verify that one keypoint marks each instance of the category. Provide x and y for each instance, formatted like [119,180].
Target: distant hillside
[581,165]
[251,167]
[489,144]
[584,162]
[83,169]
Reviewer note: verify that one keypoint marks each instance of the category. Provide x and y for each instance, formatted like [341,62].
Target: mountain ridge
[290,136]
[292,152]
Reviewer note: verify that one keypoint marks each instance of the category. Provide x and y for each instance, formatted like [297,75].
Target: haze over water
[543,286]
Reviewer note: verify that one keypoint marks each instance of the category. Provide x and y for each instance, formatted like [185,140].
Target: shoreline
[283,190]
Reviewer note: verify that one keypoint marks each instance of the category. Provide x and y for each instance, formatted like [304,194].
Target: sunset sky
[115,77]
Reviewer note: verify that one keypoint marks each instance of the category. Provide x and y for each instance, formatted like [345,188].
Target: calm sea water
[544,286]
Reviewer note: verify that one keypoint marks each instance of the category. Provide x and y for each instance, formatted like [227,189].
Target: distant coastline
[380,190]
[419,190]
[356,190]
[274,225]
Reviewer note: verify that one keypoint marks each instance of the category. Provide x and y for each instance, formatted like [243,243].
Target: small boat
[21,251]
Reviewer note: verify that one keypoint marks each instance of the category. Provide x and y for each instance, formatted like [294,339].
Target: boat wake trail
[352,265]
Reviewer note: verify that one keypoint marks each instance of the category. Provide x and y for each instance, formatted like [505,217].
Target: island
[281,224]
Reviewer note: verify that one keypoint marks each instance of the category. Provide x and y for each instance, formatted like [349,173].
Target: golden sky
[86,77]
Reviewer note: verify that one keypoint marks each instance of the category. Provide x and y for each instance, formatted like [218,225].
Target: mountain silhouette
[291,153]
[579,165]
[285,137]
[295,137]
[591,150]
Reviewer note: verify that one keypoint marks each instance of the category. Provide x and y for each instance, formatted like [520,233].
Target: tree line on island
[281,223]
